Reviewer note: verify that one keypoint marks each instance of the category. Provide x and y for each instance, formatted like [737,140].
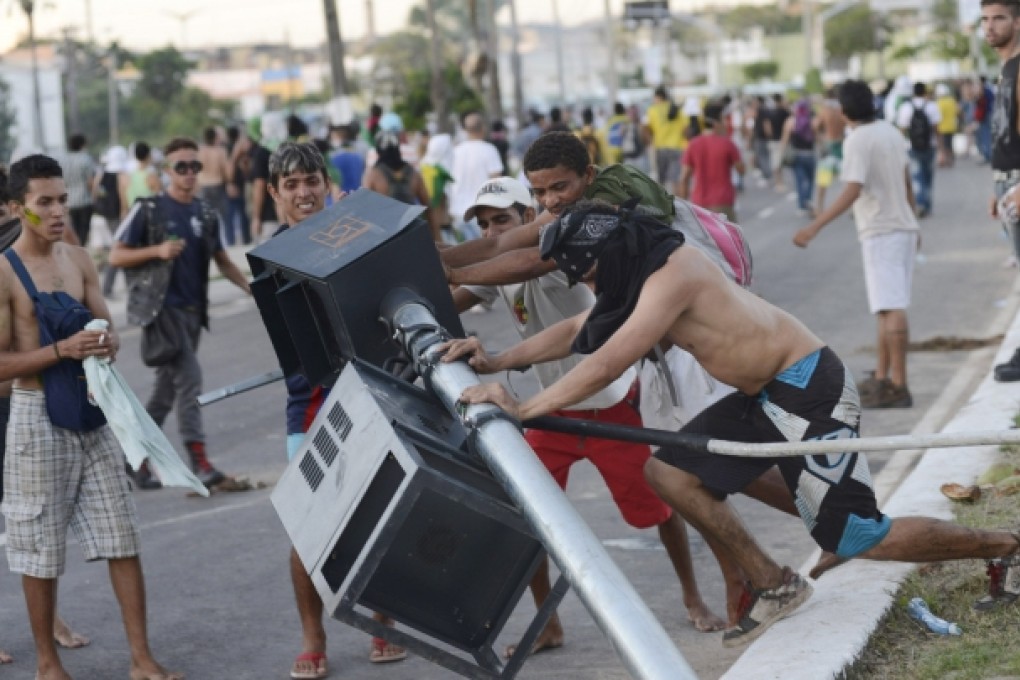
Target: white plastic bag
[137,433]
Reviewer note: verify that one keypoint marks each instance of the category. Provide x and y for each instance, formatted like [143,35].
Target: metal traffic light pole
[645,648]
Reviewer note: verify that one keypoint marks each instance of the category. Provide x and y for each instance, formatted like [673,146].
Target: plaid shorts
[55,478]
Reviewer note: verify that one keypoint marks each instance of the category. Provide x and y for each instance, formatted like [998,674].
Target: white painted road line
[262,498]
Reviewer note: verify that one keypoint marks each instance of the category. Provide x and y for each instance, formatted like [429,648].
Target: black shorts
[814,399]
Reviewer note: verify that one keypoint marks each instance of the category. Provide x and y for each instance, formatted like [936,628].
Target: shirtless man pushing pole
[651,289]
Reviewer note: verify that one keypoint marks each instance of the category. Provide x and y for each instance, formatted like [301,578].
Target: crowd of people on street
[581,222]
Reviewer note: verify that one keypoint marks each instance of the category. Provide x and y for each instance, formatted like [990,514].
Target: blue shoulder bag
[67,392]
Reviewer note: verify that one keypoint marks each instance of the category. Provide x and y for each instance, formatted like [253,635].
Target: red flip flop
[321,666]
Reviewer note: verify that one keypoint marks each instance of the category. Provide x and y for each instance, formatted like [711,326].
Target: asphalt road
[219,595]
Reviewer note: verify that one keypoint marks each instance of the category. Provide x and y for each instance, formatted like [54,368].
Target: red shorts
[621,464]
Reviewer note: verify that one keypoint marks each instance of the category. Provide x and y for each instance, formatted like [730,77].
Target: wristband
[56,350]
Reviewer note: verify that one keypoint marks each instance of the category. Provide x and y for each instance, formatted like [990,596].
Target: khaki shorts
[56,478]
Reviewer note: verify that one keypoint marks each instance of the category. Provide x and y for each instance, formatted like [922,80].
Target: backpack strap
[19,269]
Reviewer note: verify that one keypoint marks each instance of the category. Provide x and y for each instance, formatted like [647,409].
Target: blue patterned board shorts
[55,479]
[815,398]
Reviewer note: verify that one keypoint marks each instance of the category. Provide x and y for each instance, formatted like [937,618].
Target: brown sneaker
[869,386]
[889,396]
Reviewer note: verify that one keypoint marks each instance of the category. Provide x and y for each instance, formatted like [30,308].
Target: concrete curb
[833,627]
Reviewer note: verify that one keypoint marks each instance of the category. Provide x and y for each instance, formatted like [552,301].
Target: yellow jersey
[667,134]
[950,112]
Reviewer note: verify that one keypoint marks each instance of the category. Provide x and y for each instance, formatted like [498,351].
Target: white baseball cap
[501,192]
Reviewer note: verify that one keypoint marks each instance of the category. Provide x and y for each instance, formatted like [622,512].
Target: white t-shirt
[475,162]
[906,112]
[537,304]
[875,156]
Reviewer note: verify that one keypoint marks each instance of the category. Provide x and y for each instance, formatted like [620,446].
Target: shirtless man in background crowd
[216,172]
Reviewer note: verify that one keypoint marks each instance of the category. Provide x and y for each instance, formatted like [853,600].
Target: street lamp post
[337,74]
[184,18]
[112,94]
[561,78]
[611,41]
[38,137]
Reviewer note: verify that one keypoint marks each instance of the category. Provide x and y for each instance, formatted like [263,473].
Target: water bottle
[918,609]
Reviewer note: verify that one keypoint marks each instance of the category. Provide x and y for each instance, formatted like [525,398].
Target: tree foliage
[163,74]
[416,103]
[158,107]
[690,38]
[855,31]
[760,70]
[946,16]
[770,18]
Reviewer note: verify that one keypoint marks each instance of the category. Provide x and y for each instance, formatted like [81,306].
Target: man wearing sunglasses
[165,245]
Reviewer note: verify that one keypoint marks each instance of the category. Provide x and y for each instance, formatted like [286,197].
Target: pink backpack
[722,240]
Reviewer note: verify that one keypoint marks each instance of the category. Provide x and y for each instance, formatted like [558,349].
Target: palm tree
[436,63]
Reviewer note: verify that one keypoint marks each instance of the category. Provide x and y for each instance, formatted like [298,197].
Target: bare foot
[703,618]
[5,657]
[67,638]
[52,674]
[550,638]
[153,671]
[826,562]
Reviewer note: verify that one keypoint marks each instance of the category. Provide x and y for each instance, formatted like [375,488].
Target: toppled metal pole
[700,442]
[644,647]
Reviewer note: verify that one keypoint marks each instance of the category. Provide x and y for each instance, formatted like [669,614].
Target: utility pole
[611,40]
[38,137]
[558,28]
[515,64]
[89,35]
[338,77]
[495,103]
[71,61]
[369,22]
[184,18]
[288,68]
[807,27]
[438,84]
[111,93]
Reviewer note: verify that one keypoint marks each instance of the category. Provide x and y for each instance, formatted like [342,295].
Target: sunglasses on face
[184,167]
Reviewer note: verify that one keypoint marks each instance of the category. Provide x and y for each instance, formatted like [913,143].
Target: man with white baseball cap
[501,193]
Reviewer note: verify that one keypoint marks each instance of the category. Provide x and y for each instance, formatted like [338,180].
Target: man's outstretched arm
[551,344]
[662,300]
[481,249]
[851,192]
[516,266]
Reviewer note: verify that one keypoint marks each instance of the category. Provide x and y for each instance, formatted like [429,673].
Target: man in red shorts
[502,204]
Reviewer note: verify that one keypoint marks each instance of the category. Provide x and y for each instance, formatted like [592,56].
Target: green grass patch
[903,649]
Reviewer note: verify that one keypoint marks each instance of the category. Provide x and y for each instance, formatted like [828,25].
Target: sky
[147,24]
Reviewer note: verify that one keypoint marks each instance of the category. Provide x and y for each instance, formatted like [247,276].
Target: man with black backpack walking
[918,118]
[165,245]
